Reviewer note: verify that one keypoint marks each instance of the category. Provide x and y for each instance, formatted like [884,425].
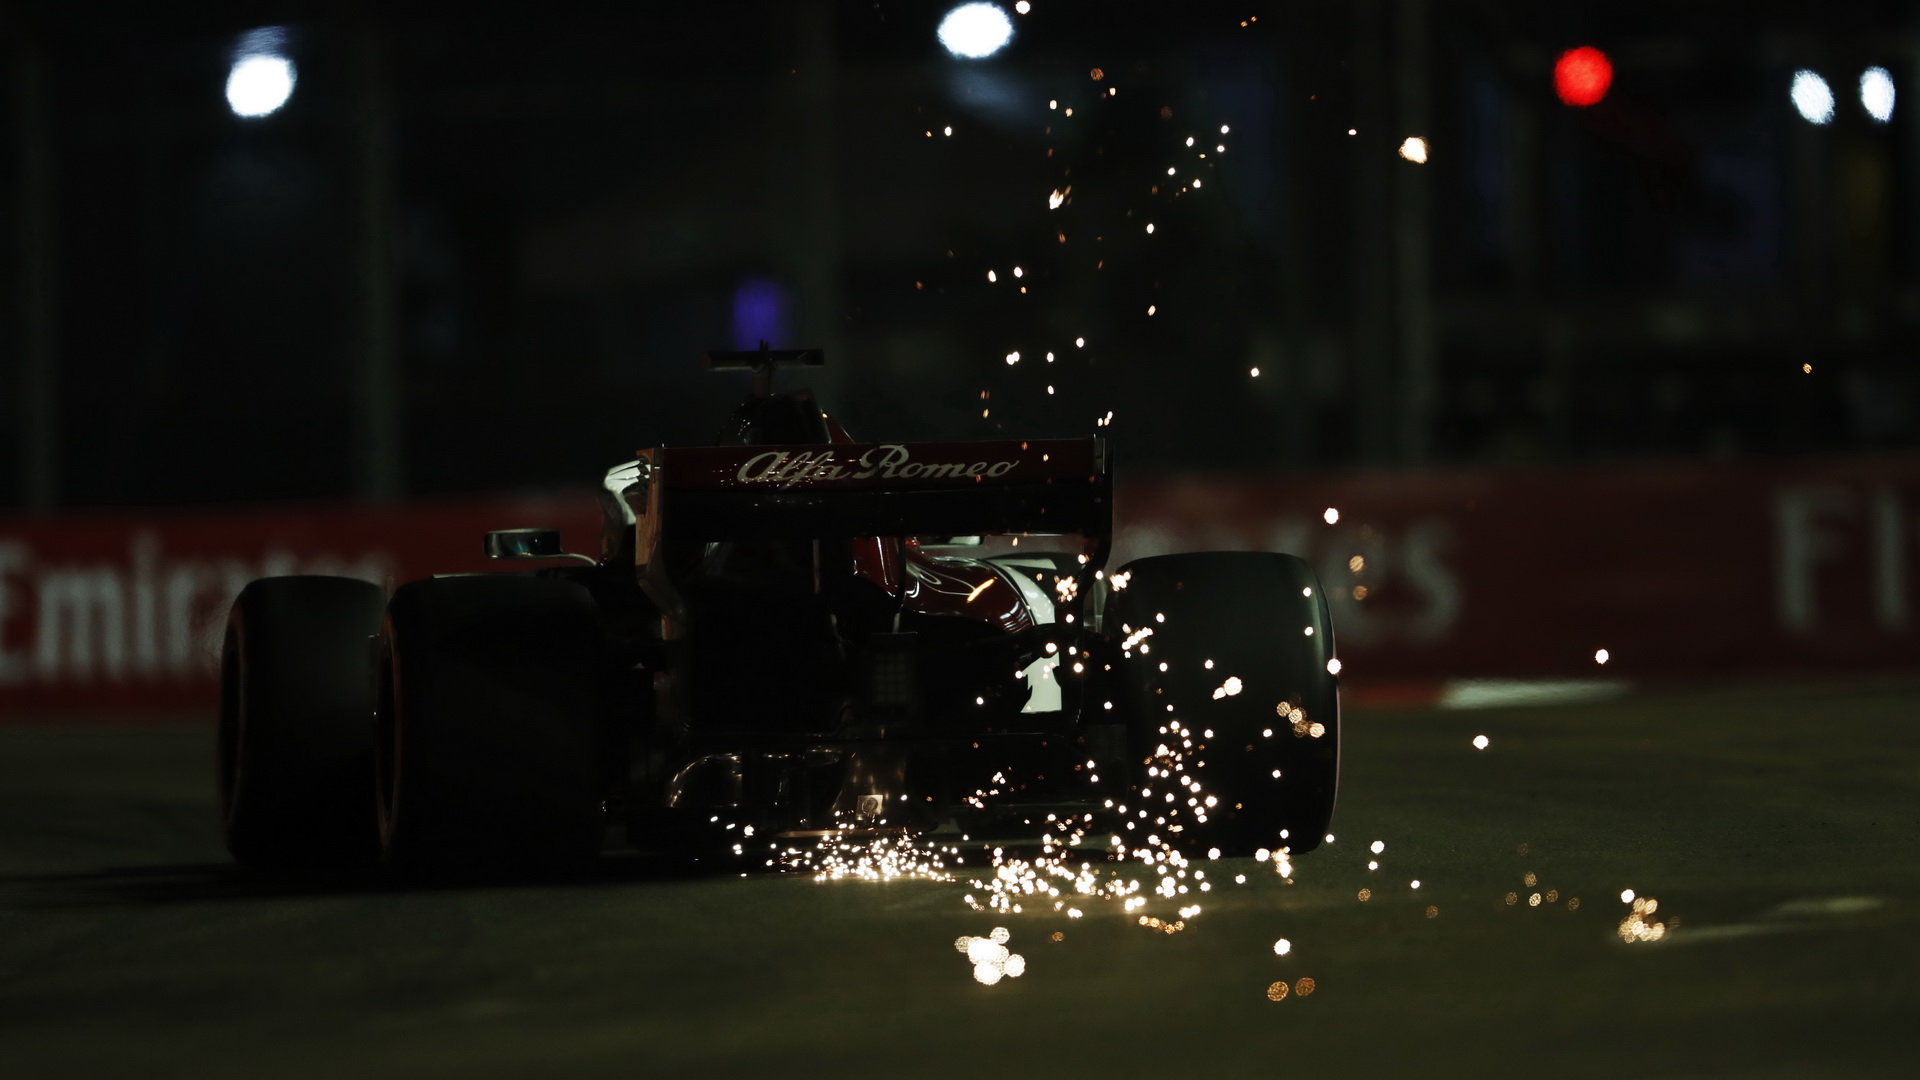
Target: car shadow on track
[188,883]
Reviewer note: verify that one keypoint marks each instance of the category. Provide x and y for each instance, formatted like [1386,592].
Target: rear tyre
[491,741]
[296,723]
[1272,762]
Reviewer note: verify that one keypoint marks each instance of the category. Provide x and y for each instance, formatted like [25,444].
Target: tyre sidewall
[1248,613]
[296,722]
[492,724]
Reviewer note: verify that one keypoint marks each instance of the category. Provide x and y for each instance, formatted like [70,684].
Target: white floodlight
[261,79]
[259,85]
[1812,97]
[975,31]
[1876,93]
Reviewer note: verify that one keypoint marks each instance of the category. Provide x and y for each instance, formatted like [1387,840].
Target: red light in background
[1581,76]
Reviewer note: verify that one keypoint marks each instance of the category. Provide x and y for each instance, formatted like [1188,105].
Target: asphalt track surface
[1774,827]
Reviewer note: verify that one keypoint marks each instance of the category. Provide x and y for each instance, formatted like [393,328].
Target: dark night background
[480,251]
[1598,430]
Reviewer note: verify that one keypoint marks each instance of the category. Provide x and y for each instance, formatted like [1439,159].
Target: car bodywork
[832,606]
[789,633]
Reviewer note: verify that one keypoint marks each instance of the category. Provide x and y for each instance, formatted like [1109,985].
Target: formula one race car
[787,634]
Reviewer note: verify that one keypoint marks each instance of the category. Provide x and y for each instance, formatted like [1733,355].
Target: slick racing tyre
[296,723]
[491,753]
[1242,727]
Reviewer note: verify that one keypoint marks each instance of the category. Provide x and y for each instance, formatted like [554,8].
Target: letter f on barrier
[1800,546]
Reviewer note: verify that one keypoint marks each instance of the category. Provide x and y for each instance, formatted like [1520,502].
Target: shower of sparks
[842,856]
[1640,925]
[990,957]
[1147,830]
[1141,837]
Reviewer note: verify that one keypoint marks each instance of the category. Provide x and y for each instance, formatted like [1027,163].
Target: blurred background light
[1414,149]
[761,313]
[261,79]
[1876,93]
[1812,97]
[1581,76]
[975,31]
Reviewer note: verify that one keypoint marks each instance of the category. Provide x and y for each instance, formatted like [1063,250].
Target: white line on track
[1497,693]
[1784,918]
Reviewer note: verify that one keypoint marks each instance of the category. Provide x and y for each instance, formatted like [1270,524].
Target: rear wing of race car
[879,489]
[820,491]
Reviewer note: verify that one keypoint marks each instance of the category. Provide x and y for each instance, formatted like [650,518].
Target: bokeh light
[1812,97]
[1876,93]
[259,85]
[975,31]
[1582,76]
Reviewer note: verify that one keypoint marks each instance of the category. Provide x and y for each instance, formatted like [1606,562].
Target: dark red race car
[788,634]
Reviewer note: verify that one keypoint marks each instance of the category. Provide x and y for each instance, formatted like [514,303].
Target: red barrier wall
[1800,568]
[1677,571]
[125,612]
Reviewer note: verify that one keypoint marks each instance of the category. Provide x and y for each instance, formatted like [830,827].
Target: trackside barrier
[123,613]
[1675,571]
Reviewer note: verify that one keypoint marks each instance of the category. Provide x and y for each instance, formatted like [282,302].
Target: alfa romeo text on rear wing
[877,489]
